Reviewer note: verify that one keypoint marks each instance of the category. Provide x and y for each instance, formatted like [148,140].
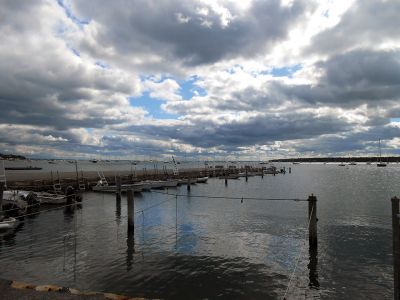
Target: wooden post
[131,210]
[226,180]
[118,184]
[396,246]
[77,175]
[290,170]
[1,198]
[312,218]
[188,184]
[247,178]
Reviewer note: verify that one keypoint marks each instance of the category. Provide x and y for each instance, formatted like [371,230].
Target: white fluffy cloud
[244,78]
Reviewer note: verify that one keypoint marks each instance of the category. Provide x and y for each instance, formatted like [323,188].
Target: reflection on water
[195,248]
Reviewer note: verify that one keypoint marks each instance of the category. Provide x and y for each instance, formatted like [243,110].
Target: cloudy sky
[201,78]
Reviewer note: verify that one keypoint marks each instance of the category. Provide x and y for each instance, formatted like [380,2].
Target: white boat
[183,181]
[156,184]
[202,179]
[50,198]
[9,223]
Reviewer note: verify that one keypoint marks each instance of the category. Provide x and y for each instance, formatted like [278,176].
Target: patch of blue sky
[152,106]
[102,64]
[189,89]
[395,120]
[285,71]
[65,4]
[74,51]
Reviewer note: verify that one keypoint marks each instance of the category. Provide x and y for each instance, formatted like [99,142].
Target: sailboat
[380,163]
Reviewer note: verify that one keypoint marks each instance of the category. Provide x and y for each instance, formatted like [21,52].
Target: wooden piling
[396,246]
[188,184]
[312,217]
[1,198]
[131,210]
[118,184]
[77,175]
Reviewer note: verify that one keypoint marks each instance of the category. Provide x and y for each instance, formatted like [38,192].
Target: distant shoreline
[339,159]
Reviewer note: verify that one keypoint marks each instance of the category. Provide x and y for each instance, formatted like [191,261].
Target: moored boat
[202,179]
[8,223]
[51,198]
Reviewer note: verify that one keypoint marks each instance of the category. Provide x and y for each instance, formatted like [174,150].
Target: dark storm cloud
[353,78]
[258,130]
[143,26]
[361,142]
[367,24]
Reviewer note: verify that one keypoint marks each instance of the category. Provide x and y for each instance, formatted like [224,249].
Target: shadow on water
[174,276]
[130,250]
[313,268]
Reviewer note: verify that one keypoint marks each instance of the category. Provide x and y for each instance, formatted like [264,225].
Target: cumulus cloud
[233,78]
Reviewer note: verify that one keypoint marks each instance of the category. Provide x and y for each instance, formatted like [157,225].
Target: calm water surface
[196,248]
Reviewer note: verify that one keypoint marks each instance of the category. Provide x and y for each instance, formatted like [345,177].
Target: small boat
[368,162]
[202,179]
[51,198]
[352,164]
[380,163]
[183,181]
[94,161]
[8,223]
[342,165]
[52,162]
[28,168]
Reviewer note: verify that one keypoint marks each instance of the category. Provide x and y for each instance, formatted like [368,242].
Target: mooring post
[312,218]
[77,175]
[226,179]
[290,170]
[131,210]
[1,198]
[396,246]
[118,191]
[247,178]
[188,184]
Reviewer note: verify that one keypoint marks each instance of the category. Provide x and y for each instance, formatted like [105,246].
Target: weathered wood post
[226,179]
[1,199]
[290,170]
[188,184]
[396,246]
[312,218]
[131,210]
[247,178]
[77,175]
[118,191]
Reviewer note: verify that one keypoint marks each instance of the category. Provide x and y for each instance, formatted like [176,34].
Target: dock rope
[298,257]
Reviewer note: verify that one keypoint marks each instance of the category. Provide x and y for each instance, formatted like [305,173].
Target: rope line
[298,257]
[233,198]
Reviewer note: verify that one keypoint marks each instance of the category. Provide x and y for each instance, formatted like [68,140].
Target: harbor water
[186,247]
